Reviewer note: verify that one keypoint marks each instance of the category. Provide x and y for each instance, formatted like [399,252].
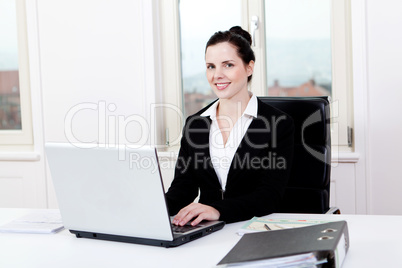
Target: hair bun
[238,30]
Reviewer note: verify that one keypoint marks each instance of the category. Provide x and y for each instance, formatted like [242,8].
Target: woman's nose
[218,73]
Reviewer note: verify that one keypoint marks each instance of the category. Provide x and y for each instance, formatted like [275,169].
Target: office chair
[309,183]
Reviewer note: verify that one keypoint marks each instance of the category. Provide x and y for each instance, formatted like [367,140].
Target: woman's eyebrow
[226,61]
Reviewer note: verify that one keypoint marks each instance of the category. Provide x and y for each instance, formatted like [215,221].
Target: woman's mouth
[221,86]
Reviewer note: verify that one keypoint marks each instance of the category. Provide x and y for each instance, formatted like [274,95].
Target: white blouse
[222,154]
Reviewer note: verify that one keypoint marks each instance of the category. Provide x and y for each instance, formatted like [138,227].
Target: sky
[285,20]
[203,18]
[8,36]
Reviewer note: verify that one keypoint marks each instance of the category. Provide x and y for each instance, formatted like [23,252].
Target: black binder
[328,241]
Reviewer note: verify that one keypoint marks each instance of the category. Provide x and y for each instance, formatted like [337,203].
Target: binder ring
[325,238]
[329,230]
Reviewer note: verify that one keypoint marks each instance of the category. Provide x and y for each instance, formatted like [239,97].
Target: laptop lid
[116,191]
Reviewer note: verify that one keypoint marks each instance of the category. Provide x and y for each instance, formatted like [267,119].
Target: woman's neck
[233,107]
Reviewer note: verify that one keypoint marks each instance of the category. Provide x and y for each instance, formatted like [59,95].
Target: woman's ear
[250,68]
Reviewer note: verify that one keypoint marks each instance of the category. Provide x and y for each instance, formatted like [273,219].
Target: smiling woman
[222,141]
[230,67]
[226,73]
[230,62]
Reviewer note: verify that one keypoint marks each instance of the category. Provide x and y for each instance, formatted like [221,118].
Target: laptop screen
[109,190]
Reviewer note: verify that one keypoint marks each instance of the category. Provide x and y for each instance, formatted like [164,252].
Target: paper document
[40,222]
[307,260]
[257,224]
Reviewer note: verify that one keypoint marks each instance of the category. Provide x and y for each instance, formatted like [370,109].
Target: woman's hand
[198,211]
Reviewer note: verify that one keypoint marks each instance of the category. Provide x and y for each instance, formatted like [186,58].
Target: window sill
[19,156]
[345,157]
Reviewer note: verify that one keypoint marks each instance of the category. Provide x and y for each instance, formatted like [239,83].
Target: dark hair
[237,37]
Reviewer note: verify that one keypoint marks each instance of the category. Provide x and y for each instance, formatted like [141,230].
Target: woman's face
[226,72]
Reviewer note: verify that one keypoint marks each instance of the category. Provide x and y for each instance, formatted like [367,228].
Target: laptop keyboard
[183,229]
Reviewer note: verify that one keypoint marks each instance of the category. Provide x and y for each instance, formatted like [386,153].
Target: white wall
[92,54]
[93,71]
[384,62]
[98,71]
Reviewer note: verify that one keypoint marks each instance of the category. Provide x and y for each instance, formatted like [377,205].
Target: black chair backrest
[309,183]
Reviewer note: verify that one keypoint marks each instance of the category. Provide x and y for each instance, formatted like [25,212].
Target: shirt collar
[211,111]
[251,109]
[252,106]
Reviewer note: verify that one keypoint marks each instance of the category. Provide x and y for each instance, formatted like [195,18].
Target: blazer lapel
[256,138]
[201,139]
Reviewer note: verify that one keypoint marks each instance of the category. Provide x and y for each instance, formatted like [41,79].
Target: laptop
[116,194]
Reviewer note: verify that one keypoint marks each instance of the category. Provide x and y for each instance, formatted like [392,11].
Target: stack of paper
[307,260]
[257,224]
[40,222]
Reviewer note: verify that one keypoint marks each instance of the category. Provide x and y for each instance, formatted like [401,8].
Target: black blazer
[258,173]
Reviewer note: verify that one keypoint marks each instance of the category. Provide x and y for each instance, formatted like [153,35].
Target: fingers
[198,211]
[199,219]
[208,213]
[186,214]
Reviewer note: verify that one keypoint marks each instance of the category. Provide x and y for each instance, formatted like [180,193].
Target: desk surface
[375,241]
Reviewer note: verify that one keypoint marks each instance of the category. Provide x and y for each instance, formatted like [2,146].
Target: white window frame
[342,76]
[12,140]
[172,123]
[342,96]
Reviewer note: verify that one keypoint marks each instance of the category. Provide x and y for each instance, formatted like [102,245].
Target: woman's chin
[221,94]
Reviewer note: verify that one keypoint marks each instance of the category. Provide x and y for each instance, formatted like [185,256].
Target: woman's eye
[228,65]
[210,67]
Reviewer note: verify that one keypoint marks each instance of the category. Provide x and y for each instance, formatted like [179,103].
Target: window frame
[171,126]
[341,41]
[21,139]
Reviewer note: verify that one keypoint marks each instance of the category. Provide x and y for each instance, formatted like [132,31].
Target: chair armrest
[333,210]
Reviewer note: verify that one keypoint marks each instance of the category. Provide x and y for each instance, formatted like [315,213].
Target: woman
[237,151]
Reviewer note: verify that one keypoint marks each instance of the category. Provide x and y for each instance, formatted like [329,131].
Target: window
[335,67]
[302,48]
[298,47]
[194,35]
[15,118]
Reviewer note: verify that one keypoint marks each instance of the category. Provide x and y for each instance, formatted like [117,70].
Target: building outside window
[10,106]
[15,99]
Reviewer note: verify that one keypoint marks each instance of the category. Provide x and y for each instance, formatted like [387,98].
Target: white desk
[375,241]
